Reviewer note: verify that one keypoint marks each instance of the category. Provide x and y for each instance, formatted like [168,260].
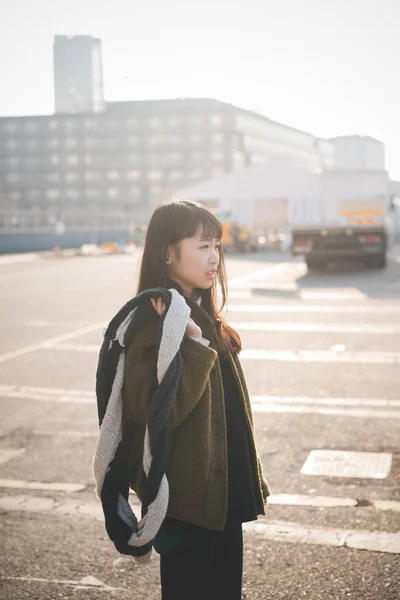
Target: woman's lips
[211,273]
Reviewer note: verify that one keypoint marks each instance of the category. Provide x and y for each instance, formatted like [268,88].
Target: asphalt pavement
[321,353]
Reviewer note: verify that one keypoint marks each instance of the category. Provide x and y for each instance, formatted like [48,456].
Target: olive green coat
[198,469]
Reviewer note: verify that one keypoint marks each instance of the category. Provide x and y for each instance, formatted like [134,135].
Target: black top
[242,503]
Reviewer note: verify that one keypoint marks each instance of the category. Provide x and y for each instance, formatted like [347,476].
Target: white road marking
[341,463]
[295,533]
[383,358]
[51,342]
[91,348]
[384,328]
[332,294]
[281,531]
[54,433]
[48,394]
[379,402]
[348,407]
[319,410]
[238,281]
[86,583]
[20,484]
[7,454]
[298,307]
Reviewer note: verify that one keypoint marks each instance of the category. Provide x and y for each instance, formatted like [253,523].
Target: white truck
[349,219]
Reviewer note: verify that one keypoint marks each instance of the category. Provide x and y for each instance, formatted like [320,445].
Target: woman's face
[196,267]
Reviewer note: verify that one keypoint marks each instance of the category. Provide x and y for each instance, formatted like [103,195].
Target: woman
[215,476]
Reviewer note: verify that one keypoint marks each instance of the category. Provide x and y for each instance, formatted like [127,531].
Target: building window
[13,162]
[92,175]
[132,141]
[195,121]
[31,162]
[196,139]
[70,142]
[90,142]
[90,124]
[11,145]
[52,194]
[112,123]
[72,193]
[54,159]
[216,120]
[30,126]
[175,157]
[52,177]
[155,140]
[217,138]
[10,127]
[133,175]
[173,122]
[154,175]
[73,159]
[113,193]
[196,174]
[135,191]
[70,125]
[155,190]
[31,144]
[12,178]
[132,123]
[92,193]
[154,122]
[112,174]
[71,177]
[88,159]
[217,155]
[53,125]
[175,175]
[53,143]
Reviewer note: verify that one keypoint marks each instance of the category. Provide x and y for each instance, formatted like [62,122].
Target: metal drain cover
[337,463]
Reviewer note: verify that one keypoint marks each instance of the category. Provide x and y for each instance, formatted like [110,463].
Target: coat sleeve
[264,483]
[140,364]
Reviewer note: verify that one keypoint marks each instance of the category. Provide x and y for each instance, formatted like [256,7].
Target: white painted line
[303,500]
[383,358]
[387,358]
[295,533]
[332,294]
[47,394]
[54,433]
[298,307]
[7,454]
[340,463]
[20,484]
[319,410]
[324,401]
[379,328]
[90,348]
[239,281]
[51,341]
[86,583]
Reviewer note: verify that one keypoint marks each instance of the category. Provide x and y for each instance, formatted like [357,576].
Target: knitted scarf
[110,461]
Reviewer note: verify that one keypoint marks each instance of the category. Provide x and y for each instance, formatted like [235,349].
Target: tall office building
[78,74]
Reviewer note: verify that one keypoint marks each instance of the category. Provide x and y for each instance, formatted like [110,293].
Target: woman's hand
[191,328]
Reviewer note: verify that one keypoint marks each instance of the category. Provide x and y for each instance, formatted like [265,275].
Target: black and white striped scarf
[110,464]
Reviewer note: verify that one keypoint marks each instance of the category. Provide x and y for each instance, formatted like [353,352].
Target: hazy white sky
[330,67]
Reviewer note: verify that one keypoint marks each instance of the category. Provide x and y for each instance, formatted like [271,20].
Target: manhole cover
[336,463]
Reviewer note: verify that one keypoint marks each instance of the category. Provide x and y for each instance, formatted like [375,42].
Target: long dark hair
[169,224]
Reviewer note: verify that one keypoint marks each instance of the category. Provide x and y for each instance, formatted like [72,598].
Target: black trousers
[202,564]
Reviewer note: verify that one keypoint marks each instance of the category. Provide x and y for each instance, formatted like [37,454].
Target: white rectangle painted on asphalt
[339,463]
[299,327]
[324,356]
